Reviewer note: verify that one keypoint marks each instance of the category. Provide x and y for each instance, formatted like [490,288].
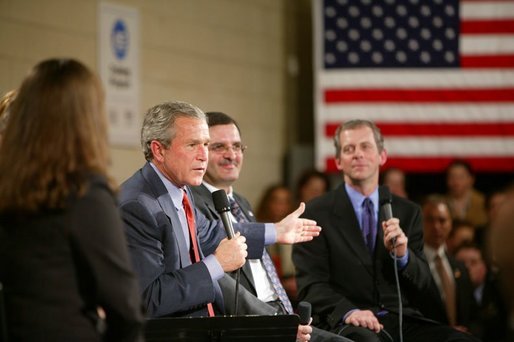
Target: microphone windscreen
[304,311]
[220,200]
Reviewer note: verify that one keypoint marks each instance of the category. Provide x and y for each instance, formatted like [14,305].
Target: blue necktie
[266,261]
[369,226]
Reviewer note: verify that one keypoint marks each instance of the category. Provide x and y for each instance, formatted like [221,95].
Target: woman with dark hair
[311,184]
[63,254]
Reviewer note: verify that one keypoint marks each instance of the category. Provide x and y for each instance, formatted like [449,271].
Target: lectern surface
[281,328]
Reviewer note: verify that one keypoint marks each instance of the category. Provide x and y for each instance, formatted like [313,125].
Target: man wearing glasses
[258,276]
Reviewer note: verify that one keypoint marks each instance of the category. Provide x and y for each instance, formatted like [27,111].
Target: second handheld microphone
[222,206]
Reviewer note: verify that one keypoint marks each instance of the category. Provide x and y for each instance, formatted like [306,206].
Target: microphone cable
[400,304]
[385,202]
[236,300]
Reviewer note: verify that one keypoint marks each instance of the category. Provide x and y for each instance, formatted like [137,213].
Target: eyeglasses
[222,148]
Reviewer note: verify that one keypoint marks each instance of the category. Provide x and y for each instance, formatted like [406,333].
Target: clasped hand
[231,254]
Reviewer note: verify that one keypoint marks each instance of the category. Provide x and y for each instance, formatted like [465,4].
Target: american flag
[437,76]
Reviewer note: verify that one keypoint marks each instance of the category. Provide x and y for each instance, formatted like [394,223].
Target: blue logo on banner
[119,39]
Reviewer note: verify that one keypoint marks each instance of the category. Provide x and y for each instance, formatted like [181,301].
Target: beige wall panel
[75,17]
[226,55]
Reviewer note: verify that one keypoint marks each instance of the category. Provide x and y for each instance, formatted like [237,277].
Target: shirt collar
[431,253]
[175,192]
[357,198]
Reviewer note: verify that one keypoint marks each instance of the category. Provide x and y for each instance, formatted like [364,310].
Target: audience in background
[465,202]
[502,253]
[63,254]
[493,202]
[5,102]
[311,184]
[491,324]
[461,232]
[275,203]
[453,302]
[394,179]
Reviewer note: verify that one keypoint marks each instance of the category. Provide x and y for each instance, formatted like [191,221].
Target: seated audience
[452,301]
[502,253]
[491,324]
[5,101]
[462,232]
[465,202]
[311,184]
[394,179]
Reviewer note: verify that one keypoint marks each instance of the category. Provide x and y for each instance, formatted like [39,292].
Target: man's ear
[339,165]
[383,157]
[157,150]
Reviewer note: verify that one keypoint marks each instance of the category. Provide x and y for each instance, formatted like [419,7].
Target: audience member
[492,314]
[348,272]
[63,254]
[311,184]
[453,303]
[177,253]
[493,202]
[394,179]
[502,253]
[5,102]
[461,232]
[465,202]
[259,277]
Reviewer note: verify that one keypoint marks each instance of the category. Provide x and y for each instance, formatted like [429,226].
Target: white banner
[118,37]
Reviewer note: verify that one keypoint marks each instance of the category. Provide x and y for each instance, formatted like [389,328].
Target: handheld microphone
[222,206]
[385,203]
[304,311]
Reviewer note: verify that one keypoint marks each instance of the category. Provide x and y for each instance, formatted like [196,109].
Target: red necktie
[193,251]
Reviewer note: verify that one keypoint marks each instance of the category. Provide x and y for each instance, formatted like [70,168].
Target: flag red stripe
[483,95]
[487,61]
[437,129]
[498,26]
[418,164]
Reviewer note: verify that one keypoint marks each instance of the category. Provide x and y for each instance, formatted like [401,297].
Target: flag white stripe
[415,113]
[486,44]
[415,146]
[484,10]
[415,78]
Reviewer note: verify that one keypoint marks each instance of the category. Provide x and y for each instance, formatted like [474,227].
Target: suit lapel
[164,199]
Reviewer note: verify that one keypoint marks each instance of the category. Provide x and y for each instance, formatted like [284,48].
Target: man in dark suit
[258,277]
[348,273]
[452,299]
[177,253]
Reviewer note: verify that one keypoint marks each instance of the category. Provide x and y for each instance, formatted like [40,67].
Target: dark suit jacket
[58,266]
[336,273]
[170,284]
[432,304]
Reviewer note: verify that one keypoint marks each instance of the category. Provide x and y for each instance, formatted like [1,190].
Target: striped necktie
[240,217]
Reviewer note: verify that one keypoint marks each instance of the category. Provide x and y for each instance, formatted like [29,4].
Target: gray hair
[352,124]
[159,123]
